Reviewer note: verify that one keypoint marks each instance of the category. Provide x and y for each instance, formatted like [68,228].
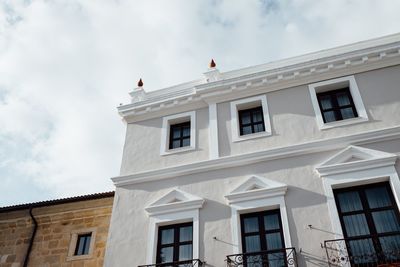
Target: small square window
[83,244]
[250,118]
[179,135]
[337,105]
[337,102]
[251,121]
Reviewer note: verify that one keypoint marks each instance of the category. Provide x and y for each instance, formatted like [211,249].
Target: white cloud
[65,65]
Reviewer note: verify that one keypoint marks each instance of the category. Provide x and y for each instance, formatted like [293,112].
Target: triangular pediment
[354,158]
[256,187]
[175,200]
[255,182]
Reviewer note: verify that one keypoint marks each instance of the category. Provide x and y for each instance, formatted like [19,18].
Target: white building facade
[291,163]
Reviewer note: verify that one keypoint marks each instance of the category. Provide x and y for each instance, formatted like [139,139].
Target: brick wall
[56,227]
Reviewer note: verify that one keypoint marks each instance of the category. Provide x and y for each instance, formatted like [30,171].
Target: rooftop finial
[212,64]
[140,83]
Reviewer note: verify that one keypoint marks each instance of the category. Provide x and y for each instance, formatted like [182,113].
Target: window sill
[79,257]
[250,136]
[177,150]
[346,122]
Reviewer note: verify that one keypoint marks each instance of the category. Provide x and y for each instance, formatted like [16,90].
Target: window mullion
[335,104]
[261,229]
[370,221]
[252,122]
[181,137]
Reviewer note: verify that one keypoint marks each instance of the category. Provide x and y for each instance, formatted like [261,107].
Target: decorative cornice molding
[259,156]
[340,61]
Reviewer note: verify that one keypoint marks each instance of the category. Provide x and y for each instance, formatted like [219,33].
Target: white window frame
[379,168]
[165,132]
[73,243]
[330,85]
[268,195]
[244,104]
[183,208]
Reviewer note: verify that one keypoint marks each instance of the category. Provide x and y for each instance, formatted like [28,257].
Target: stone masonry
[57,224]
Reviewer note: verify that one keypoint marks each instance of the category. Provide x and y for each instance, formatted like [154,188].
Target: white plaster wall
[293,118]
[143,141]
[305,201]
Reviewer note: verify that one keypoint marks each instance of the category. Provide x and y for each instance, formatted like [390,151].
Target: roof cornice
[354,58]
[259,156]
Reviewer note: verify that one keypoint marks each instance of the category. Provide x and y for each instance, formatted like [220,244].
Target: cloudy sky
[66,64]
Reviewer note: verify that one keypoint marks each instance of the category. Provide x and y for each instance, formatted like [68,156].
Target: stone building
[290,163]
[63,232]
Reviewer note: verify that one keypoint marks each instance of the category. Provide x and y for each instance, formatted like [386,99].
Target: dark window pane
[186,142]
[167,236]
[87,245]
[185,252]
[185,233]
[343,99]
[356,225]
[167,254]
[253,243]
[257,116]
[80,247]
[391,247]
[362,251]
[259,128]
[271,222]
[349,201]
[326,102]
[276,260]
[378,197]
[176,144]
[329,116]
[251,225]
[347,113]
[186,131]
[385,221]
[245,116]
[176,132]
[274,241]
[247,130]
[253,261]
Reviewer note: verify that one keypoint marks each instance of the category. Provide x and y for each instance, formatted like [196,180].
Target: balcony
[272,258]
[367,251]
[188,263]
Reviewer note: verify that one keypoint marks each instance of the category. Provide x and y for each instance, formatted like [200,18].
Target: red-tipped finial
[212,64]
[140,83]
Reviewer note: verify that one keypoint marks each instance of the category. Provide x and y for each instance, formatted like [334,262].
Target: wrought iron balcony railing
[271,258]
[188,263]
[366,251]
